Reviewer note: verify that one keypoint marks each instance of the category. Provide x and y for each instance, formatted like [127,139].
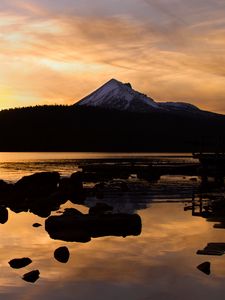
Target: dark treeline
[73,128]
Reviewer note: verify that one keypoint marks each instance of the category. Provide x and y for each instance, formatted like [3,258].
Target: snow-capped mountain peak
[116,95]
[120,96]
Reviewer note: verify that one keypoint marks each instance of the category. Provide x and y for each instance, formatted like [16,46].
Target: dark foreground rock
[40,193]
[37,193]
[3,215]
[205,267]
[74,226]
[62,254]
[31,276]
[38,184]
[18,263]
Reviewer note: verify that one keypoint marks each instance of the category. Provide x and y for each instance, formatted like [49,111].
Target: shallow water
[14,165]
[160,263]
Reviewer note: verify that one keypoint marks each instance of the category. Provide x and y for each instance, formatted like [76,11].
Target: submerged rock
[62,254]
[205,267]
[31,276]
[18,263]
[4,215]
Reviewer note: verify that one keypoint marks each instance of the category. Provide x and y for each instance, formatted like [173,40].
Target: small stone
[205,267]
[36,225]
[62,254]
[31,276]
[18,263]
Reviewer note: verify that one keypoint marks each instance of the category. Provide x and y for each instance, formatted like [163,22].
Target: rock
[124,187]
[36,225]
[6,190]
[72,188]
[5,187]
[216,249]
[62,254]
[65,186]
[73,226]
[40,193]
[18,263]
[99,190]
[71,212]
[41,212]
[31,276]
[38,184]
[77,180]
[100,208]
[3,215]
[43,206]
[210,252]
[205,267]
[65,227]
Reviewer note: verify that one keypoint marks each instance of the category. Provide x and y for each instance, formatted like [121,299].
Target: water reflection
[160,263]
[211,207]
[73,226]
[148,265]
[44,193]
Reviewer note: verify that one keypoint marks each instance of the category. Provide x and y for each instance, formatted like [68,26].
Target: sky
[57,52]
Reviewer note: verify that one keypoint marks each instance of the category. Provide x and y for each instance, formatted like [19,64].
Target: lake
[160,263]
[14,165]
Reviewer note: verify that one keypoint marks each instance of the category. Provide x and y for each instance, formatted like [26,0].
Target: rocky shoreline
[43,193]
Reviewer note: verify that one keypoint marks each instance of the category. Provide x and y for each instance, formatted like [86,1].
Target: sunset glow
[57,52]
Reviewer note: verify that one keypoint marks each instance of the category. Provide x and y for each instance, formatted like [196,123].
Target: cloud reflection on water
[160,263]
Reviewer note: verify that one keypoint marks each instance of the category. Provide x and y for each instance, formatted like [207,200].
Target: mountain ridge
[121,96]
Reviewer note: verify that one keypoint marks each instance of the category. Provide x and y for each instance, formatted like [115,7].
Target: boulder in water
[31,276]
[62,254]
[18,263]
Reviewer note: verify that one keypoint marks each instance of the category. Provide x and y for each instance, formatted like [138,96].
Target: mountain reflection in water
[158,263]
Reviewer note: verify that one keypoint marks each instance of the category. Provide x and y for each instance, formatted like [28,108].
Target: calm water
[14,165]
[158,264]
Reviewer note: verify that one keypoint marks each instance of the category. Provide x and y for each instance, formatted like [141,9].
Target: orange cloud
[60,59]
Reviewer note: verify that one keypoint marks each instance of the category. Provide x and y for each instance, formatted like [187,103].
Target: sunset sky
[56,52]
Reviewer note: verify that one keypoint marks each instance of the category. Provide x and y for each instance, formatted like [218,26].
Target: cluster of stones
[42,193]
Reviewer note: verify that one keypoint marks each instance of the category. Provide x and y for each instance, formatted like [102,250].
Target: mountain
[113,118]
[115,95]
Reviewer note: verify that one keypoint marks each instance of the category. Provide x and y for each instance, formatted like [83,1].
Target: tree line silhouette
[73,128]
